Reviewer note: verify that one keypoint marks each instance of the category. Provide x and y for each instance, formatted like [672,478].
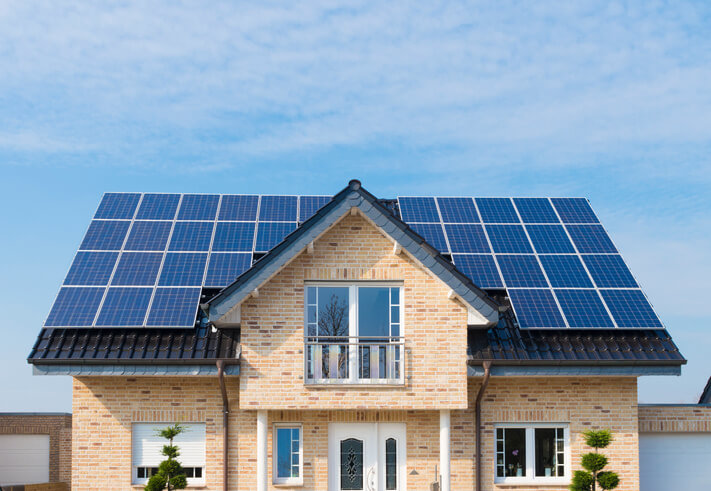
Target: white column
[444,452]
[261,451]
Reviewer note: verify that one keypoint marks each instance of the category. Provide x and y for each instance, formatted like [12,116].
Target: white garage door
[674,461]
[24,459]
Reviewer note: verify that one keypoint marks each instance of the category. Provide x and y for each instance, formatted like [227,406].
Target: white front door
[367,457]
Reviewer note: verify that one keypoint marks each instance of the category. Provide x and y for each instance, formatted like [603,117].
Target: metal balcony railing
[354,360]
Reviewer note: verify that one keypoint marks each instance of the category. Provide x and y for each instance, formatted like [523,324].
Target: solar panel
[91,268]
[536,210]
[277,209]
[124,307]
[198,207]
[174,307]
[148,236]
[497,210]
[75,307]
[574,210]
[565,271]
[591,239]
[467,238]
[158,207]
[270,234]
[239,207]
[583,309]
[118,206]
[104,235]
[536,309]
[508,239]
[550,239]
[480,268]
[224,268]
[418,210]
[521,271]
[630,308]
[233,237]
[137,269]
[309,205]
[183,269]
[433,234]
[609,271]
[458,210]
[191,236]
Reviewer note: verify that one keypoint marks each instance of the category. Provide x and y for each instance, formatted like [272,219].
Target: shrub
[594,463]
[170,473]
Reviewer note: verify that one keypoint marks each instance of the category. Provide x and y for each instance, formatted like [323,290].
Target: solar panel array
[146,257]
[552,256]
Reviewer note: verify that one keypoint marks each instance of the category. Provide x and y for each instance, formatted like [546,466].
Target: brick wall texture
[59,429]
[674,419]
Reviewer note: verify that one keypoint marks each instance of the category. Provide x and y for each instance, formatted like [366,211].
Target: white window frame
[353,330]
[287,481]
[529,476]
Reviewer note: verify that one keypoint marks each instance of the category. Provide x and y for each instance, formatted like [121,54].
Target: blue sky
[605,100]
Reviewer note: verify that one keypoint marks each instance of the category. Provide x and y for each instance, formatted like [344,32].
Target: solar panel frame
[238,207]
[583,308]
[631,309]
[591,239]
[124,307]
[91,268]
[609,271]
[536,309]
[191,236]
[75,307]
[550,243]
[183,269]
[278,208]
[148,235]
[497,210]
[137,269]
[521,271]
[508,239]
[197,207]
[174,307]
[480,268]
[96,238]
[565,271]
[117,206]
[536,210]
[457,210]
[467,238]
[574,210]
[234,237]
[158,206]
[419,209]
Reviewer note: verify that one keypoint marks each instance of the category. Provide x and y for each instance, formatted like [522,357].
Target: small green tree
[170,473]
[594,463]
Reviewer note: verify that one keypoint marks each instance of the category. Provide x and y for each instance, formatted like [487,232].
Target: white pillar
[444,452]
[261,451]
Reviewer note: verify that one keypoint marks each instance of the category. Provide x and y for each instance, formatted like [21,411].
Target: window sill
[351,383]
[190,486]
[291,484]
[527,481]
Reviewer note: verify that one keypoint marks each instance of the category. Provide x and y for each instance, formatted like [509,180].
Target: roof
[706,394]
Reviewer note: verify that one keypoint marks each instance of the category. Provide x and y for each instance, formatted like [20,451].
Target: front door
[366,457]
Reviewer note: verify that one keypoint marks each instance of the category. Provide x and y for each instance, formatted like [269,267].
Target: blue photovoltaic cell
[234,236]
[158,207]
[630,308]
[609,272]
[583,308]
[480,268]
[137,269]
[521,271]
[467,239]
[270,234]
[224,268]
[277,209]
[239,207]
[536,309]
[536,210]
[508,239]
[574,210]
[118,206]
[148,236]
[433,234]
[550,239]
[565,271]
[418,210]
[496,210]
[105,235]
[75,307]
[198,207]
[458,210]
[124,307]
[91,268]
[174,307]
[308,205]
[591,239]
[183,269]
[191,236]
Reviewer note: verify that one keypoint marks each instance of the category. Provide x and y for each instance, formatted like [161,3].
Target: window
[531,453]
[147,446]
[287,454]
[353,333]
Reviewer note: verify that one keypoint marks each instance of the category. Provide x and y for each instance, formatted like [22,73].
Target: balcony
[354,360]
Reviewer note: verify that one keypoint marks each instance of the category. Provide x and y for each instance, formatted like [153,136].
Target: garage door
[24,459]
[674,461]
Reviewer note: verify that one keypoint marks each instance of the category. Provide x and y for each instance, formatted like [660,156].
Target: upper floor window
[354,333]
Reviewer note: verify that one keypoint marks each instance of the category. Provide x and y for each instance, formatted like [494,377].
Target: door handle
[371,478]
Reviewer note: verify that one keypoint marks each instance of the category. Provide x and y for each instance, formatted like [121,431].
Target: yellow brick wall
[674,419]
[272,366]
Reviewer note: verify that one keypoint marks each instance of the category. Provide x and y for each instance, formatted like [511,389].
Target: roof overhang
[574,370]
[132,369]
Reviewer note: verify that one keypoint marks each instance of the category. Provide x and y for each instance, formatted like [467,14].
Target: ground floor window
[287,455]
[531,452]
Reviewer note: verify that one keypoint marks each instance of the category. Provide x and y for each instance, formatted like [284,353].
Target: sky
[610,101]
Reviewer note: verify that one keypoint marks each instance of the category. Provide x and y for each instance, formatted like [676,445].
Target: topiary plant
[594,463]
[170,473]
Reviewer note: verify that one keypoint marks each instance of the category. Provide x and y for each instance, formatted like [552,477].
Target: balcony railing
[354,360]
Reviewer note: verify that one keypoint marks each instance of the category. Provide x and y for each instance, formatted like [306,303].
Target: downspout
[225,422]
[477,420]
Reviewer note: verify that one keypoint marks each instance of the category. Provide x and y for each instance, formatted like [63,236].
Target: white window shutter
[147,445]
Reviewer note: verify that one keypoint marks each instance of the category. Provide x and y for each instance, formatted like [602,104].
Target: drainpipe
[225,422]
[477,420]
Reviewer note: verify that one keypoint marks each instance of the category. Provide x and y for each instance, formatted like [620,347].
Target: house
[351,342]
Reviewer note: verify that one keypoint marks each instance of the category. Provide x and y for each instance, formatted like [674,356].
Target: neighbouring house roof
[706,394]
